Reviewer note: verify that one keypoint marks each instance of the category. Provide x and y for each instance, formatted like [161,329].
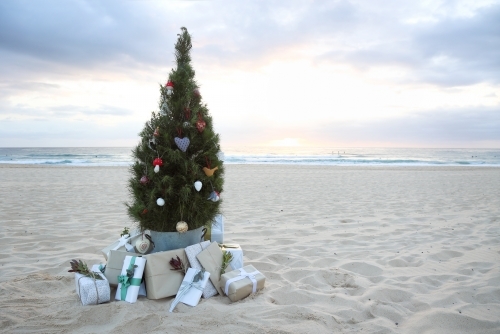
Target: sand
[344,249]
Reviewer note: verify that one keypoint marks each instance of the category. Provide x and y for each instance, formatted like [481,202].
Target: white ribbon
[122,241]
[185,287]
[243,274]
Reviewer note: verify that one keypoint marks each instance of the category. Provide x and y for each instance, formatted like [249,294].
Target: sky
[272,73]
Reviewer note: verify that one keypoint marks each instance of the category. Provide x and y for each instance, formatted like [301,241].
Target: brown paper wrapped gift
[211,260]
[161,281]
[240,283]
[115,265]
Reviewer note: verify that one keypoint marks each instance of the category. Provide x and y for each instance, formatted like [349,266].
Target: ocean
[121,156]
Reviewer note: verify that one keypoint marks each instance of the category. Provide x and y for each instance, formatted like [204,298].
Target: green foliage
[175,180]
[78,266]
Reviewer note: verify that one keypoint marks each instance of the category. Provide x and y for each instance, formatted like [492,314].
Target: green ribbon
[128,281]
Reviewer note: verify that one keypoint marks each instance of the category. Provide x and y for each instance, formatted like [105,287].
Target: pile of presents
[203,270]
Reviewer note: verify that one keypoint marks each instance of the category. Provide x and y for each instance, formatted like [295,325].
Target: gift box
[161,280]
[191,288]
[240,283]
[217,230]
[211,260]
[129,285]
[237,252]
[191,252]
[124,244]
[115,264]
[92,291]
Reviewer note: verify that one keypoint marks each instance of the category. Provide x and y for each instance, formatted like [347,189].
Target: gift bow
[243,274]
[122,241]
[185,287]
[126,281]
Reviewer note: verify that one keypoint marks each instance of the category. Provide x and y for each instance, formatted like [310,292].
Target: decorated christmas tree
[177,175]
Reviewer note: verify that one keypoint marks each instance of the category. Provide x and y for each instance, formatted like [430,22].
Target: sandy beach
[343,249]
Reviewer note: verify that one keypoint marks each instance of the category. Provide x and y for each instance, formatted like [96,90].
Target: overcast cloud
[48,47]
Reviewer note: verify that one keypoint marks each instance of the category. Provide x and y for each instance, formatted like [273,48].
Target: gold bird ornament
[210,172]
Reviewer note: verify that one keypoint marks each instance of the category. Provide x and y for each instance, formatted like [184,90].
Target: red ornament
[196,92]
[170,87]
[157,132]
[200,124]
[157,162]
[144,180]
[145,211]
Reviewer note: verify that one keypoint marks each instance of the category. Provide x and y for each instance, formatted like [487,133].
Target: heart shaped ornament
[198,185]
[142,246]
[182,143]
[220,155]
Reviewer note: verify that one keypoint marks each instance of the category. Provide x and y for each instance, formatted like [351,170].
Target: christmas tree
[177,174]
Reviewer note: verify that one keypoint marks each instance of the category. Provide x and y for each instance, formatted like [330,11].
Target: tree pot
[174,240]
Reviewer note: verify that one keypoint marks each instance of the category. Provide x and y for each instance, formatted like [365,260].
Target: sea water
[121,156]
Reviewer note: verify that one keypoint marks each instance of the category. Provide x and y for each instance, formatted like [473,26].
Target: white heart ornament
[198,185]
[220,156]
[142,245]
[182,143]
[157,169]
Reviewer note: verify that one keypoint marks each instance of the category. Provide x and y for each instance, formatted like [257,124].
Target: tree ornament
[182,143]
[209,172]
[160,201]
[196,92]
[214,196]
[157,163]
[181,227]
[186,125]
[164,108]
[145,211]
[200,123]
[142,246]
[157,132]
[198,185]
[170,87]
[144,180]
[152,144]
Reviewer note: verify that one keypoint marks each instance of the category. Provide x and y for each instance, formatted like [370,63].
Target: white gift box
[92,291]
[190,292]
[217,232]
[191,252]
[129,287]
[125,243]
[237,252]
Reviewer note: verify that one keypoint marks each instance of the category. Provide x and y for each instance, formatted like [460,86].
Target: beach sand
[343,249]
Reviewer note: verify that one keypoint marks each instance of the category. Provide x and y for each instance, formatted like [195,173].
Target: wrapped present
[124,244]
[115,264]
[92,291]
[211,260]
[240,283]
[161,280]
[130,279]
[191,288]
[217,231]
[191,252]
[237,252]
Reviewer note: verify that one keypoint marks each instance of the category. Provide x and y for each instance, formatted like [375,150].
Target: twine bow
[243,274]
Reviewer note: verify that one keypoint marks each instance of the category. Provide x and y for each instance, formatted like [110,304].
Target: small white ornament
[160,201]
[181,227]
[214,196]
[142,245]
[198,185]
[157,169]
[186,125]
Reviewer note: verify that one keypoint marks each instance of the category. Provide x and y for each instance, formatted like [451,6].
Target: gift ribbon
[185,287]
[128,281]
[243,274]
[122,241]
[96,289]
